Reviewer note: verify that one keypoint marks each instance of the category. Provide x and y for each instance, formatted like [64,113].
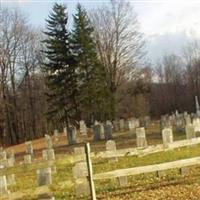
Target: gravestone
[11,179]
[80,174]
[3,186]
[189,130]
[123,181]
[44,176]
[196,124]
[79,150]
[102,133]
[10,162]
[121,124]
[3,155]
[56,134]
[27,159]
[48,141]
[167,136]
[111,146]
[48,154]
[65,131]
[83,128]
[188,120]
[184,171]
[116,126]
[197,106]
[97,132]
[108,131]
[160,174]
[71,133]
[141,137]
[29,148]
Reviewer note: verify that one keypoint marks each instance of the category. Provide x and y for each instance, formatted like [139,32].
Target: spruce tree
[60,68]
[90,72]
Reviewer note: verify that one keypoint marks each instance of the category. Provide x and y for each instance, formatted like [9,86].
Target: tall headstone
[3,186]
[197,106]
[71,135]
[65,131]
[102,131]
[116,126]
[29,148]
[97,132]
[122,124]
[108,131]
[83,127]
[44,176]
[141,137]
[196,124]
[190,132]
[48,141]
[80,174]
[167,136]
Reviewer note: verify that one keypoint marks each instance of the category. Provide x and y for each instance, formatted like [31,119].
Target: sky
[168,25]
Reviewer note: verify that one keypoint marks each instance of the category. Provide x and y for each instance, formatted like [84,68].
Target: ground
[141,187]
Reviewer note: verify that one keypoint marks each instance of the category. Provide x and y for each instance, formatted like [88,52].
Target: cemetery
[105,161]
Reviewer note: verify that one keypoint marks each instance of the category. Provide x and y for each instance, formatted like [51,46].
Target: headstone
[3,186]
[167,136]
[197,106]
[71,133]
[97,131]
[123,181]
[80,174]
[116,126]
[65,131]
[3,155]
[48,141]
[196,124]
[48,154]
[29,148]
[10,162]
[27,159]
[188,120]
[141,137]
[190,133]
[111,146]
[83,127]
[79,150]
[108,131]
[121,124]
[102,133]
[56,134]
[44,176]
[160,174]
[184,171]
[11,179]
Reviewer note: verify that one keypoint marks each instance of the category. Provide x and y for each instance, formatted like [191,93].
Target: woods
[92,69]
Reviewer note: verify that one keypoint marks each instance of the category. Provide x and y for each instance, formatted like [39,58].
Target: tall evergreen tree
[90,72]
[60,68]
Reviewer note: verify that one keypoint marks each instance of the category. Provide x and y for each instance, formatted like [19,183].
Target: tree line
[94,69]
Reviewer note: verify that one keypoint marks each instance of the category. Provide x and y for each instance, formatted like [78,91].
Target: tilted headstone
[71,134]
[3,186]
[48,141]
[29,148]
[141,137]
[44,176]
[167,136]
[189,130]
[83,127]
[108,131]
[48,154]
[27,159]
[80,174]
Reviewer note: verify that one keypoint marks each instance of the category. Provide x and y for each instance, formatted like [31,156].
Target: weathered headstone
[65,131]
[102,131]
[11,179]
[196,124]
[56,133]
[141,137]
[29,148]
[97,132]
[111,146]
[3,186]
[197,106]
[167,136]
[27,159]
[83,127]
[3,155]
[189,130]
[116,126]
[160,174]
[48,154]
[71,133]
[184,171]
[44,176]
[121,124]
[48,141]
[79,150]
[108,131]
[123,181]
[80,174]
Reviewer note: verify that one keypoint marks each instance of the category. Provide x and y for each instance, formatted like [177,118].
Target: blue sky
[168,25]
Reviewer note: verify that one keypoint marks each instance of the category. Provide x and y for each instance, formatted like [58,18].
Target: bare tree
[119,43]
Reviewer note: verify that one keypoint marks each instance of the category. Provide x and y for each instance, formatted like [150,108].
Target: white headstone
[167,136]
[141,137]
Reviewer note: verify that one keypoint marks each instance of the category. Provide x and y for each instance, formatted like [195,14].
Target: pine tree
[91,75]
[60,68]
